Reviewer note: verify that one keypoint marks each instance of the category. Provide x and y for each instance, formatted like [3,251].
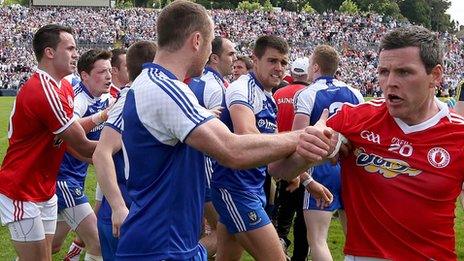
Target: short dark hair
[115,59]
[216,45]
[246,60]
[48,36]
[270,41]
[139,53]
[87,59]
[178,21]
[430,50]
[326,57]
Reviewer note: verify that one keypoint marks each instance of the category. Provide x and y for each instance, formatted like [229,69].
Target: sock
[90,257]
[75,251]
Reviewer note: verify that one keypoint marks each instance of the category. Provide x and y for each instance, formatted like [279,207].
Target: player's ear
[214,58]
[84,75]
[437,74]
[195,40]
[49,52]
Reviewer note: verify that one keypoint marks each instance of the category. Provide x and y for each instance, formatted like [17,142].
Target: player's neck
[56,75]
[427,111]
[117,83]
[173,62]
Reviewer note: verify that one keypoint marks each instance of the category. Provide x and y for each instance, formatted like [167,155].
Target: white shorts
[15,210]
[74,215]
[363,258]
[28,221]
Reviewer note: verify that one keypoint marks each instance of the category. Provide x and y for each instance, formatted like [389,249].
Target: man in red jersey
[402,179]
[41,119]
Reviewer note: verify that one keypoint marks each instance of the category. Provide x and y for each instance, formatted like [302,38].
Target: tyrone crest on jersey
[70,102]
[438,157]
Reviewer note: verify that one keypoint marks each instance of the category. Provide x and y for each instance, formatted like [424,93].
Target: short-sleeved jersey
[248,91]
[115,122]
[284,101]
[325,93]
[43,109]
[401,182]
[166,179]
[84,105]
[210,92]
[73,79]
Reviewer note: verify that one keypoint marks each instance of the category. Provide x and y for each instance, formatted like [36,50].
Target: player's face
[270,68]
[407,88]
[99,79]
[121,72]
[227,58]
[238,69]
[65,55]
[204,52]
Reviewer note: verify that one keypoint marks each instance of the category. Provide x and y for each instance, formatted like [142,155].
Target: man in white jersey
[166,133]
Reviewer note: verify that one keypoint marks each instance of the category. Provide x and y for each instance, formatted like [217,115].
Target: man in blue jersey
[166,132]
[210,89]
[91,100]
[324,92]
[108,158]
[238,195]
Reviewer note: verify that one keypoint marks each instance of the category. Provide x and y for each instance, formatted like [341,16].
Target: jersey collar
[443,112]
[214,72]
[253,76]
[84,89]
[57,84]
[326,78]
[159,68]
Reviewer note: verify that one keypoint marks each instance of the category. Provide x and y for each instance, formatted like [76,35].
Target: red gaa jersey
[284,100]
[400,184]
[43,108]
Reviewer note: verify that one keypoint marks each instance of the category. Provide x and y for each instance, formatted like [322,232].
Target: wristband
[306,182]
[341,140]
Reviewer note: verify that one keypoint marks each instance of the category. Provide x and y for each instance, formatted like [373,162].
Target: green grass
[336,239]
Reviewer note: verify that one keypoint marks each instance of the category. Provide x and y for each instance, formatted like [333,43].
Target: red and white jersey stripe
[43,108]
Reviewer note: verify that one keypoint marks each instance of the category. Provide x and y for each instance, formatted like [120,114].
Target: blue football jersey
[248,91]
[115,122]
[166,179]
[84,105]
[325,93]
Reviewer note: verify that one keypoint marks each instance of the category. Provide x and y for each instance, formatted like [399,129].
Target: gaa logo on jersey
[438,157]
[70,102]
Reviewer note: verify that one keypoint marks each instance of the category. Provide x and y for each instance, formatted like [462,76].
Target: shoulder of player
[455,118]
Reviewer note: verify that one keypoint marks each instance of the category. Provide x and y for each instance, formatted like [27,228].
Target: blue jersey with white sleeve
[165,176]
[325,93]
[115,122]
[84,105]
[248,91]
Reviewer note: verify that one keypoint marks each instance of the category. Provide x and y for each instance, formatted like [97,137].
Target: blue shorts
[240,211]
[70,194]
[329,176]
[208,194]
[108,243]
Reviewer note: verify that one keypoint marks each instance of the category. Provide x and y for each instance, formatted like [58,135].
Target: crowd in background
[355,37]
